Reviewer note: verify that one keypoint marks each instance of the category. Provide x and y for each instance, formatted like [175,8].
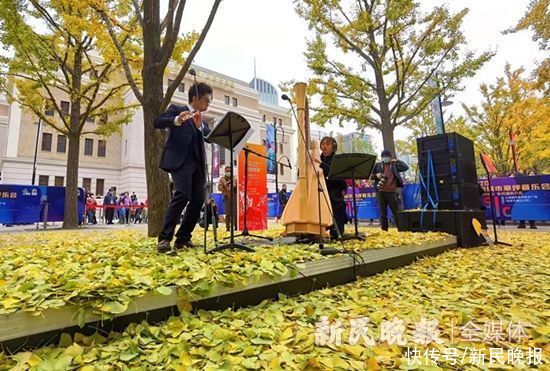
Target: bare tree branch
[171,89]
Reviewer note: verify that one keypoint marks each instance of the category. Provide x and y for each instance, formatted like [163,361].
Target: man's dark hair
[202,89]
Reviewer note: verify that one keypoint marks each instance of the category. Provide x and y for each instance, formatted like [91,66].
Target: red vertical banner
[256,189]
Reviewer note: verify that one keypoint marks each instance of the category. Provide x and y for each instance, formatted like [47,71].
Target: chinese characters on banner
[518,198]
[256,199]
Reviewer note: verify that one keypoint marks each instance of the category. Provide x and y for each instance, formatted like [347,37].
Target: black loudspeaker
[456,222]
[454,168]
[459,196]
[453,144]
[449,169]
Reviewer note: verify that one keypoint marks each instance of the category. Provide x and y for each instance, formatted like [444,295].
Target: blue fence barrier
[25,204]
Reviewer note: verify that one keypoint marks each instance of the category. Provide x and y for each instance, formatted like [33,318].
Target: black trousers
[340,217]
[189,195]
[386,199]
[109,214]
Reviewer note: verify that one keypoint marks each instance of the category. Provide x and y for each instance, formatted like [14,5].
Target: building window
[90,119]
[263,118]
[46,142]
[61,144]
[65,107]
[281,147]
[281,169]
[101,148]
[43,180]
[235,102]
[125,147]
[170,81]
[87,184]
[99,186]
[59,181]
[181,88]
[88,147]
[226,99]
[50,108]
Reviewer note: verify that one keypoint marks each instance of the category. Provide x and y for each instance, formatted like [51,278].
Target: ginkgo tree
[537,20]
[161,46]
[512,108]
[379,63]
[64,54]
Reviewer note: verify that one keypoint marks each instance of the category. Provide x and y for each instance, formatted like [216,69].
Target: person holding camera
[387,179]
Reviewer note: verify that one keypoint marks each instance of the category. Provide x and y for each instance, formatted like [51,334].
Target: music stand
[228,133]
[352,166]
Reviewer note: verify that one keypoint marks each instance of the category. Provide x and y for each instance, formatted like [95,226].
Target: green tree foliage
[64,56]
[374,61]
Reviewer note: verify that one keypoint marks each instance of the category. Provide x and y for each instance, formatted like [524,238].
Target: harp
[310,197]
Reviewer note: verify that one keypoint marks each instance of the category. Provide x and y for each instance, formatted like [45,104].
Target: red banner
[256,191]
[488,163]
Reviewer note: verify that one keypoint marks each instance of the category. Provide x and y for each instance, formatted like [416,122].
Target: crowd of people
[124,208]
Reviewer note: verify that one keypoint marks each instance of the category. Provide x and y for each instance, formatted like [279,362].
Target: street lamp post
[36,151]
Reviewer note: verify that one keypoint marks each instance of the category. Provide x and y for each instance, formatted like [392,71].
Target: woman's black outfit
[336,189]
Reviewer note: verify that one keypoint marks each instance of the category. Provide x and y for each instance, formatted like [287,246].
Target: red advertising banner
[256,191]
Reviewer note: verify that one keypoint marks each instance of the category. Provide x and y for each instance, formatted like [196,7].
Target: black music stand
[228,133]
[245,232]
[352,166]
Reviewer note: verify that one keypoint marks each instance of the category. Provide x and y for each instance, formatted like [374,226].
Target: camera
[381,182]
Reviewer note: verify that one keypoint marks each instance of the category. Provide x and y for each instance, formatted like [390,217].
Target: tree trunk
[158,187]
[70,218]
[387,137]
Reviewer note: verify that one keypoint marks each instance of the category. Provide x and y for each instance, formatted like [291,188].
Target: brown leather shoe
[163,246]
[183,245]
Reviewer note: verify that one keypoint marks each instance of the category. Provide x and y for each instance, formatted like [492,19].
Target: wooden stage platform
[20,330]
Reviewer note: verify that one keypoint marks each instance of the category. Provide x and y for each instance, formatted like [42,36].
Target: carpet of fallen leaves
[103,271]
[493,289]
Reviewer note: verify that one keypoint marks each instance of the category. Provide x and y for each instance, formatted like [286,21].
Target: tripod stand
[487,164]
[245,232]
[354,166]
[228,133]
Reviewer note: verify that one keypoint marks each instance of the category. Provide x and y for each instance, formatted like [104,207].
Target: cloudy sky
[271,32]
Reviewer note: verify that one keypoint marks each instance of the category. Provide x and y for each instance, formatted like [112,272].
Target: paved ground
[349,227]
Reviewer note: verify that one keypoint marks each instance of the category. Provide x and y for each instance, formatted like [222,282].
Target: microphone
[285,97]
[192,72]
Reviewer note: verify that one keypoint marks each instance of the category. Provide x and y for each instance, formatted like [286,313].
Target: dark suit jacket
[179,144]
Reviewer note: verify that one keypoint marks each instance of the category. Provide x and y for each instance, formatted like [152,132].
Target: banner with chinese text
[256,198]
[24,204]
[518,198]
